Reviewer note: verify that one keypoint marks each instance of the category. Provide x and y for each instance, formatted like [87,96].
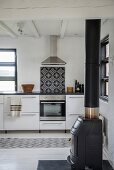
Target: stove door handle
[69,161]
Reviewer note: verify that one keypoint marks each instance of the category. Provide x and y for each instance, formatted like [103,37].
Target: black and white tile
[8,143]
[52,79]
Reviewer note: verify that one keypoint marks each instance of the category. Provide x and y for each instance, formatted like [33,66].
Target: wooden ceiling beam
[8,30]
[63,28]
[35,28]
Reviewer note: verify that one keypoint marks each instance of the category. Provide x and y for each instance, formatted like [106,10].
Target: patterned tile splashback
[52,79]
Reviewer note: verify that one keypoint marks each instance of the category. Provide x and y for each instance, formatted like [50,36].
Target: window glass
[7,85]
[7,56]
[107,50]
[104,68]
[8,70]
[107,69]
[106,88]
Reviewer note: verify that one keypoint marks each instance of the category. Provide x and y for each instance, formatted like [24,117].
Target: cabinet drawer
[52,125]
[24,122]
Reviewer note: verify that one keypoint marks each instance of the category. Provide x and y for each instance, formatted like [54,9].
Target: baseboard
[107,155]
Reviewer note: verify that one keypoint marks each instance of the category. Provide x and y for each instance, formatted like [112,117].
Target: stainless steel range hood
[53,59]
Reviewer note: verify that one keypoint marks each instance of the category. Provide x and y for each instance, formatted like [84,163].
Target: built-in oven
[52,107]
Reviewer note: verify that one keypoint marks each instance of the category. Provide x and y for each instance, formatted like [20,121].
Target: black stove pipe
[86,140]
[92,38]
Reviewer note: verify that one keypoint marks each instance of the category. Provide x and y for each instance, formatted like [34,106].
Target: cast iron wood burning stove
[86,144]
[86,140]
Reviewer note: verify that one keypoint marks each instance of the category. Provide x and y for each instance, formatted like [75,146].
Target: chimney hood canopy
[53,59]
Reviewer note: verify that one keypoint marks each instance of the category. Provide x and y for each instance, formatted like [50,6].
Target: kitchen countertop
[36,93]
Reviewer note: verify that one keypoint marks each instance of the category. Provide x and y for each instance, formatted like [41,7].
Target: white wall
[107,109]
[72,51]
[30,53]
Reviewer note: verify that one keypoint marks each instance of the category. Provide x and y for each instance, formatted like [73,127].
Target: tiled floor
[27,159]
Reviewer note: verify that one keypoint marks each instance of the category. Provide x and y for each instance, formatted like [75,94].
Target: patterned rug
[9,143]
[63,165]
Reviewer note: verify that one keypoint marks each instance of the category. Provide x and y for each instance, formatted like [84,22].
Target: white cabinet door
[1,98]
[1,112]
[24,122]
[75,104]
[74,108]
[7,102]
[30,104]
[1,116]
[29,115]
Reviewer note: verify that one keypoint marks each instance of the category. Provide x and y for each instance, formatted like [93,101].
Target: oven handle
[52,102]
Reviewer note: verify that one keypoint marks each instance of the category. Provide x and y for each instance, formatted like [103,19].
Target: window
[8,70]
[104,68]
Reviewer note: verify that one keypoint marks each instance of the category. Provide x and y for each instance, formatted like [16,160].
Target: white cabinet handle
[28,114]
[28,97]
[52,102]
[75,114]
[75,97]
[21,115]
[52,123]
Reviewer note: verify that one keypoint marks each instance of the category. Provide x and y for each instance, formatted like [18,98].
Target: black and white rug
[63,165]
[9,143]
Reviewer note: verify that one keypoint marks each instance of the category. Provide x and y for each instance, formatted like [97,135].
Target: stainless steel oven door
[52,110]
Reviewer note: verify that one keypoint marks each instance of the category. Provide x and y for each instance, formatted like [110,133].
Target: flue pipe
[92,38]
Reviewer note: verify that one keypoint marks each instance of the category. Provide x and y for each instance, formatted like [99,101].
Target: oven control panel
[52,97]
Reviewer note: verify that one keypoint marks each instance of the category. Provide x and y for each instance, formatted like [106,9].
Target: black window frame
[103,61]
[9,78]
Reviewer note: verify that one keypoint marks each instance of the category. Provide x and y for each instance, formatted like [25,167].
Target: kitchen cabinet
[74,108]
[52,125]
[29,114]
[30,104]
[24,122]
[1,112]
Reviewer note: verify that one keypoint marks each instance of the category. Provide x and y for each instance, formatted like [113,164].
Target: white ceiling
[39,28]
[55,9]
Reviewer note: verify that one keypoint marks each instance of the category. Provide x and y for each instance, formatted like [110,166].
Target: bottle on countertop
[75,85]
[82,88]
[78,88]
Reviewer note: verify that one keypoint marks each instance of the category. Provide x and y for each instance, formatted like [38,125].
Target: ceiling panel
[49,27]
[75,28]
[22,28]
[39,28]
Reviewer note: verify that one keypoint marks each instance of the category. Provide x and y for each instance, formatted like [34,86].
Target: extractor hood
[53,59]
